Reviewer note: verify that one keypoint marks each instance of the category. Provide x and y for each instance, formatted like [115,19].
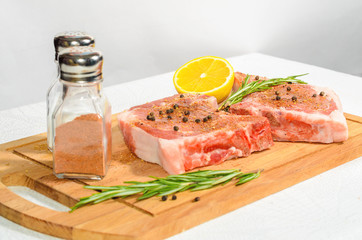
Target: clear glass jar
[82,121]
[53,98]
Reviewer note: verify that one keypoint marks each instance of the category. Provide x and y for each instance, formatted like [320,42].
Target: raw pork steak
[296,112]
[183,132]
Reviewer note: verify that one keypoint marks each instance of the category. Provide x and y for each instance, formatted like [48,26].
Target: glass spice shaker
[62,41]
[82,121]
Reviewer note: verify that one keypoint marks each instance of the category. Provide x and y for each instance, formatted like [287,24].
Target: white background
[144,38]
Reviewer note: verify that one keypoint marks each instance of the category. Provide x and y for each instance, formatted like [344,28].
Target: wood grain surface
[27,162]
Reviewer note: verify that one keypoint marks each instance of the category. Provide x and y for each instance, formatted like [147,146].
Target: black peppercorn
[289,88]
[197,199]
[187,112]
[182,96]
[322,93]
[164,198]
[204,119]
[185,119]
[276,93]
[197,120]
[152,114]
[175,106]
[169,117]
[209,117]
[174,197]
[277,98]
[256,77]
[168,111]
[175,128]
[151,118]
[289,82]
[294,98]
[314,95]
[160,112]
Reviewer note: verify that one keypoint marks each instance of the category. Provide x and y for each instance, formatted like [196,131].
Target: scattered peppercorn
[169,117]
[185,119]
[256,77]
[174,197]
[182,96]
[175,128]
[197,120]
[175,106]
[187,112]
[204,119]
[151,118]
[168,111]
[314,95]
[164,198]
[209,117]
[289,88]
[277,98]
[276,93]
[321,93]
[294,98]
[289,82]
[160,112]
[197,199]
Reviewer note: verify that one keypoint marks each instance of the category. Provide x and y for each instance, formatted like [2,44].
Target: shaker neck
[94,88]
[82,84]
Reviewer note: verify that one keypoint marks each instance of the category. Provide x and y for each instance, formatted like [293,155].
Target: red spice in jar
[79,147]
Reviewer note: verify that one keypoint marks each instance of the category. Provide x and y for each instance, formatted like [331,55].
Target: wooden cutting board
[27,162]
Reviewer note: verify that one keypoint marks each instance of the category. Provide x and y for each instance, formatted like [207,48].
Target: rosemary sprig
[193,181]
[257,86]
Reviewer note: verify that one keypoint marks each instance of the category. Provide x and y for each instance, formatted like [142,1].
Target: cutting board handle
[27,213]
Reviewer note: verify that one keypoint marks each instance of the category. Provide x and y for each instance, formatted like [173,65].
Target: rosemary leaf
[147,195]
[225,178]
[248,178]
[201,187]
[144,185]
[171,191]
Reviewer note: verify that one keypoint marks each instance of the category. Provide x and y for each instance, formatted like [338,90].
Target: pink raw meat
[314,114]
[193,144]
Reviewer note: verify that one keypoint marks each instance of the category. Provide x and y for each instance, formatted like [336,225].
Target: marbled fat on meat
[220,137]
[310,117]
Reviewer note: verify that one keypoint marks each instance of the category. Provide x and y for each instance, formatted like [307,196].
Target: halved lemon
[209,75]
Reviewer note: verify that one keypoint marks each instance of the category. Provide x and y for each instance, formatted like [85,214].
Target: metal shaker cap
[80,64]
[71,39]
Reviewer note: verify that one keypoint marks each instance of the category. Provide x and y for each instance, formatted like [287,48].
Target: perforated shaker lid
[80,64]
[71,39]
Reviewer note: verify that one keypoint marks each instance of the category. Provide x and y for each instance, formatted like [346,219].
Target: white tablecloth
[328,206]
